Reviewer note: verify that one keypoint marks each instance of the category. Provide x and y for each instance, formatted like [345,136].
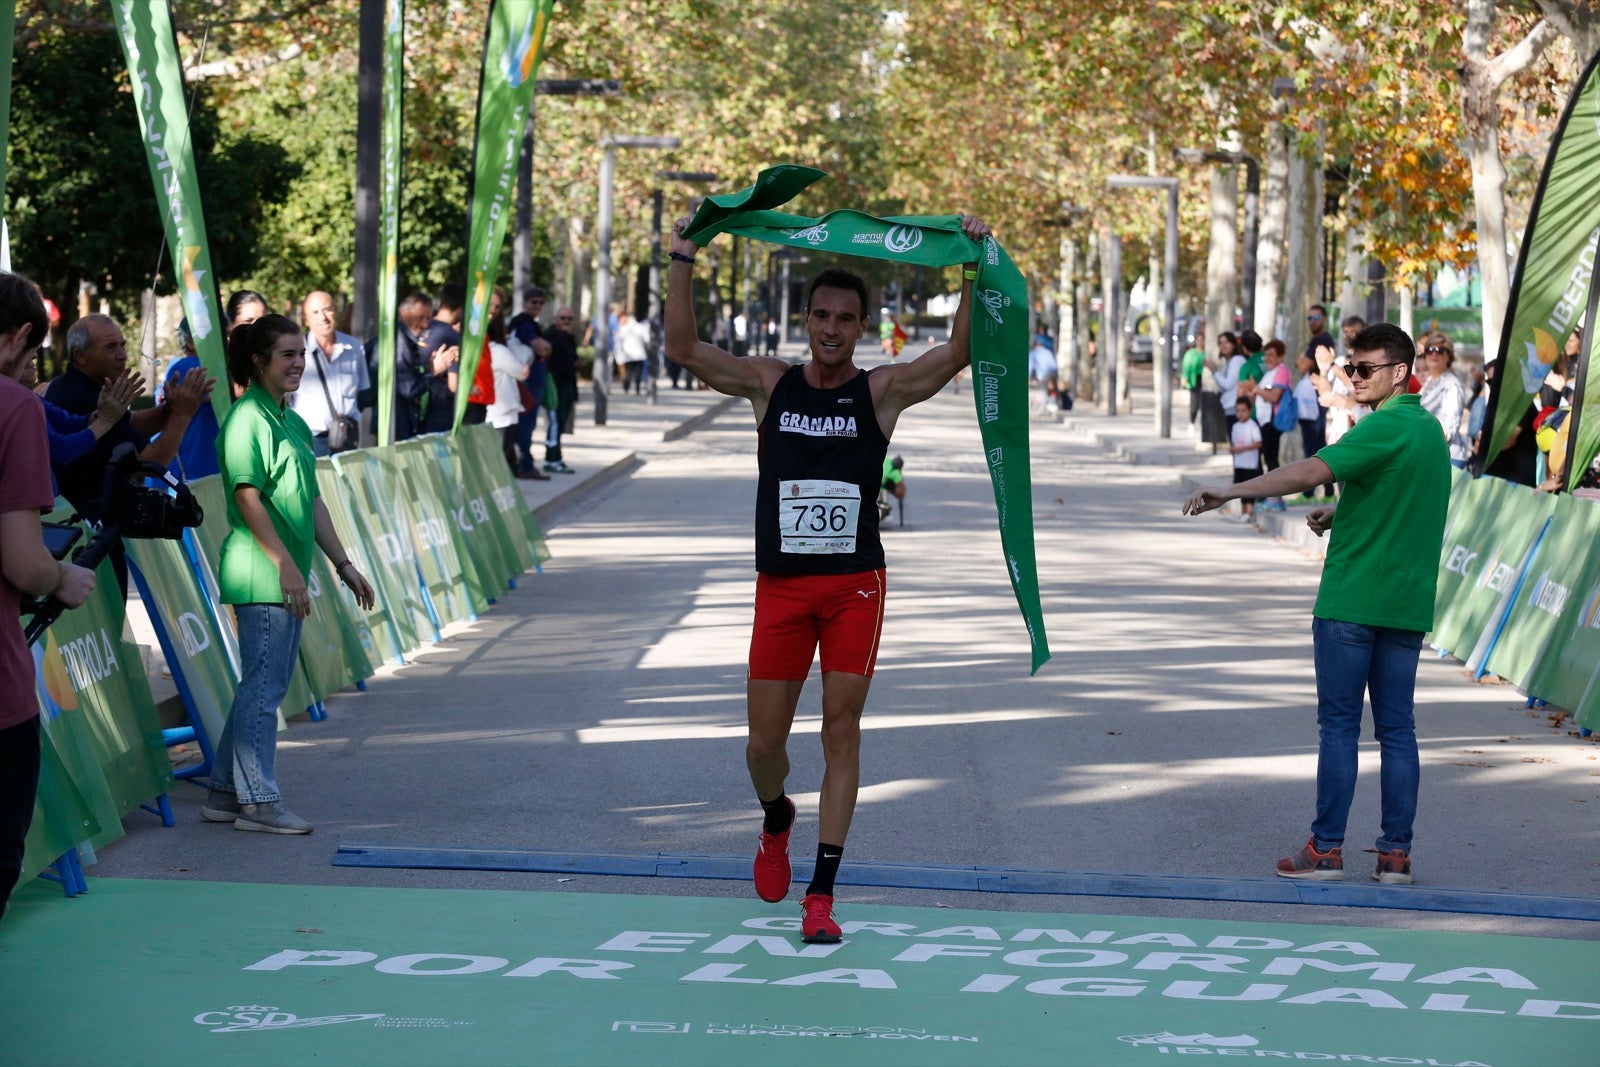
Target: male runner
[823,430]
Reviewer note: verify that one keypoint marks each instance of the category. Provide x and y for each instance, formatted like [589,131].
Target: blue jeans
[1353,661]
[246,756]
[524,439]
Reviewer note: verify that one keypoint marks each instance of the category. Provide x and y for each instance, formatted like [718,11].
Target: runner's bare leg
[844,696]
[770,706]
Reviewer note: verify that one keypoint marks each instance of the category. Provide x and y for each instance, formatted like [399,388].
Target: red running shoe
[772,863]
[818,927]
[1310,864]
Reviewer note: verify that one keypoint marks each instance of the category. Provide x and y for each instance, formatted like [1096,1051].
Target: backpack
[1286,416]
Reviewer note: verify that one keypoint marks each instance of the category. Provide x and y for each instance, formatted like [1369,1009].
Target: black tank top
[820,454]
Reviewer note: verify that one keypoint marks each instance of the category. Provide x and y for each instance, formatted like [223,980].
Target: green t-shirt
[268,446]
[1192,367]
[1383,556]
[891,473]
[1254,367]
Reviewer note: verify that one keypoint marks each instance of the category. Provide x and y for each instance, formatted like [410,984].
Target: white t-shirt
[633,342]
[1277,378]
[1247,433]
[1228,381]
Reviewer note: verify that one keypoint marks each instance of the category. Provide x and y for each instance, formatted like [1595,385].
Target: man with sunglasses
[1376,596]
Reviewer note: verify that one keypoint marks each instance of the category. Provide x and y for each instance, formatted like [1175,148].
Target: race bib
[818,517]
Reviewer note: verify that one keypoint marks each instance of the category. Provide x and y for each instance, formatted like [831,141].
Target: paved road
[600,707]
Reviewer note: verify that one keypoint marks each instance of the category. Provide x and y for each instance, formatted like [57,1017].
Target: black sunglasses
[1435,350]
[1366,370]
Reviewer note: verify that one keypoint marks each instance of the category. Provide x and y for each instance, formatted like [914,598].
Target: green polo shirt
[1254,367]
[1383,555]
[268,446]
[1192,368]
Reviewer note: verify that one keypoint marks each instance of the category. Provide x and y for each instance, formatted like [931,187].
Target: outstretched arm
[911,383]
[723,371]
[1285,481]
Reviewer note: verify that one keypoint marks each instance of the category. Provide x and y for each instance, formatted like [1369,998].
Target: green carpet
[160,972]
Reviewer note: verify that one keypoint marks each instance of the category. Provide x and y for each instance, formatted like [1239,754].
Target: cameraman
[26,566]
[98,353]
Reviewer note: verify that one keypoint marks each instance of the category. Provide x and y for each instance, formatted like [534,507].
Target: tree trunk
[1481,79]
[1297,276]
[1067,310]
[1353,280]
[1222,283]
[1274,221]
[1578,21]
[1082,294]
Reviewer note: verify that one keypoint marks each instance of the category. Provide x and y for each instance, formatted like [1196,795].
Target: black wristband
[339,567]
[680,257]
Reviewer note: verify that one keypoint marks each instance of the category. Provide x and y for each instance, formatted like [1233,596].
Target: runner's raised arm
[752,377]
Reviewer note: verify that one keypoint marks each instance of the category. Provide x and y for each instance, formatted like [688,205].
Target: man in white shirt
[336,371]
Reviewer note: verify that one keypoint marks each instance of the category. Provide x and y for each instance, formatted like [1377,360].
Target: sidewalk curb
[545,513]
[1123,452]
[695,422]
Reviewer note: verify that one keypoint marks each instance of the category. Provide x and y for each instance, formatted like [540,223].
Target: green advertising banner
[458,464]
[156,74]
[512,47]
[405,467]
[198,653]
[394,33]
[389,629]
[1569,663]
[377,504]
[336,645]
[61,816]
[1554,263]
[96,706]
[1482,605]
[1484,561]
[1468,528]
[475,526]
[483,455]
[1557,569]
[999,333]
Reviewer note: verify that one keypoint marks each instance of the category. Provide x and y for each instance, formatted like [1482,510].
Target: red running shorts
[843,613]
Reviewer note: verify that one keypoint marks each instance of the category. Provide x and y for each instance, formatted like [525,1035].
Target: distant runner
[823,431]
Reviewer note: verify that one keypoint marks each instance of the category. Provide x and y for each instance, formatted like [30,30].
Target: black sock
[828,857]
[779,814]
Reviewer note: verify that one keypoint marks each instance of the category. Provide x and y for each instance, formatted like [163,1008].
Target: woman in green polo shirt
[276,520]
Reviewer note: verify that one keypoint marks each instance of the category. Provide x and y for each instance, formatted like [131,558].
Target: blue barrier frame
[1511,602]
[195,729]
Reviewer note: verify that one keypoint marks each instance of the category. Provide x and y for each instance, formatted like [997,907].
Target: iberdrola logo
[56,691]
[1541,356]
[194,301]
[479,302]
[522,51]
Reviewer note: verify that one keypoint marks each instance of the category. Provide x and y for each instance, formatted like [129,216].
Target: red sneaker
[1308,863]
[818,927]
[772,863]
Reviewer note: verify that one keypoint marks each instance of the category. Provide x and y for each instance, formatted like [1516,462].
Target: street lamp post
[1252,222]
[1169,292]
[602,285]
[656,366]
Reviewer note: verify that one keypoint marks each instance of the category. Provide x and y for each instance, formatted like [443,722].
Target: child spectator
[1246,449]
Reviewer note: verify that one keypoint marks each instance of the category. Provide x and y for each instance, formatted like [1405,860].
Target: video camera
[128,508]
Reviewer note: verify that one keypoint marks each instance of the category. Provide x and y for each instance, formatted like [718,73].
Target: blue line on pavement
[987,880]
